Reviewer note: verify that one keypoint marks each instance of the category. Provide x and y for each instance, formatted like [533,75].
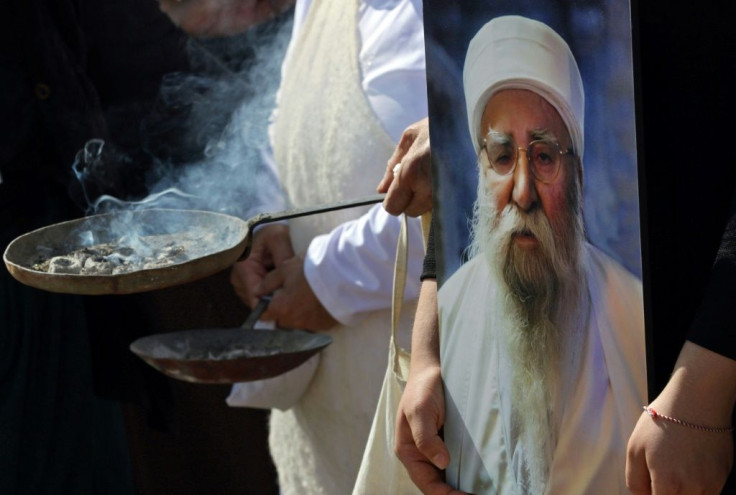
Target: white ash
[213,351]
[155,251]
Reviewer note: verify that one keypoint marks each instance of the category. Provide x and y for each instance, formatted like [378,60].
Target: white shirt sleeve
[350,269]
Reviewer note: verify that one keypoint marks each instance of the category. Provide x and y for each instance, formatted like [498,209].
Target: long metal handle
[311,210]
[262,218]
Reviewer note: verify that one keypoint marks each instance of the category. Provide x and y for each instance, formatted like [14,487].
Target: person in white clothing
[541,336]
[352,81]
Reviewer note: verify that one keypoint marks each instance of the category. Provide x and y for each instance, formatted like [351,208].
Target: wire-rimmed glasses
[543,155]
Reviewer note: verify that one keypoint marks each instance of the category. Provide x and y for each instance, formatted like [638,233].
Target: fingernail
[440,460]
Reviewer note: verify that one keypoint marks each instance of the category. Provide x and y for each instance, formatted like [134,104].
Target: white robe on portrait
[596,414]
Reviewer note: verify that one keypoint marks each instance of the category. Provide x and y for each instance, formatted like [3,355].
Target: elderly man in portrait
[541,335]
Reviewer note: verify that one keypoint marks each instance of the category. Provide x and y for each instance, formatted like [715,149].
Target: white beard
[539,292]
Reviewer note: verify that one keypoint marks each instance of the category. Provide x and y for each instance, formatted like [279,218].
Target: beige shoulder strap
[401,356]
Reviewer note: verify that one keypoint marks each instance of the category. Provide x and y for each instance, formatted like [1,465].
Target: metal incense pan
[224,240]
[229,355]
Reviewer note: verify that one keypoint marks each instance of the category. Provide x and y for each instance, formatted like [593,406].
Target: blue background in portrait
[599,34]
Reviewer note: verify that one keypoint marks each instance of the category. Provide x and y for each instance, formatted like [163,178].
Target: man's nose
[524,193]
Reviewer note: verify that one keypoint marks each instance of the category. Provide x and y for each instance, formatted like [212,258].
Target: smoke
[205,139]
[206,134]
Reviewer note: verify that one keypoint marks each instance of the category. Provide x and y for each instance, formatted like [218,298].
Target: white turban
[513,52]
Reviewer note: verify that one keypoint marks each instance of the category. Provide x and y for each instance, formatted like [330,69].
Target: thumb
[272,281]
[276,242]
[281,252]
[638,480]
[428,441]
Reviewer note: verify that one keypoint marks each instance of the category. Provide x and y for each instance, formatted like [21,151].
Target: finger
[272,245]
[407,138]
[418,206]
[397,199]
[283,309]
[638,480]
[421,202]
[390,173]
[434,449]
[387,179]
[244,277]
[429,479]
[422,472]
[417,173]
[281,251]
[403,437]
[425,436]
[271,282]
[272,311]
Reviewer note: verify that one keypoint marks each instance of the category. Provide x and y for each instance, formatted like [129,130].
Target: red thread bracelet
[654,415]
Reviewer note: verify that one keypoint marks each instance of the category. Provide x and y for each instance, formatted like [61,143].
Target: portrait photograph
[537,232]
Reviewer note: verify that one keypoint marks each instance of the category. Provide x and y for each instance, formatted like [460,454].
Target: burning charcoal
[118,258]
[91,251]
[65,264]
[125,251]
[41,264]
[159,262]
[97,265]
[122,256]
[171,252]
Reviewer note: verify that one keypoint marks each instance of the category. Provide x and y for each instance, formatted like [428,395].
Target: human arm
[701,390]
[318,289]
[350,269]
[667,458]
[421,412]
[409,190]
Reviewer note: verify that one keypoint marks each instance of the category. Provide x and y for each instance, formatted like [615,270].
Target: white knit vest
[329,145]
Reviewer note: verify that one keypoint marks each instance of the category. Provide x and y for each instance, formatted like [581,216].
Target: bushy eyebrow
[499,137]
[542,135]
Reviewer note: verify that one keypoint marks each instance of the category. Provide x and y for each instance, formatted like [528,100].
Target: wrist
[702,388]
[424,370]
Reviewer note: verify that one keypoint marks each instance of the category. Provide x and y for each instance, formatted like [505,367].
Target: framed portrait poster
[534,149]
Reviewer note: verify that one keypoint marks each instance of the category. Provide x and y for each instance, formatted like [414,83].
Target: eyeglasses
[544,157]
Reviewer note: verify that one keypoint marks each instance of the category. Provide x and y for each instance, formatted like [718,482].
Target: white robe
[599,412]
